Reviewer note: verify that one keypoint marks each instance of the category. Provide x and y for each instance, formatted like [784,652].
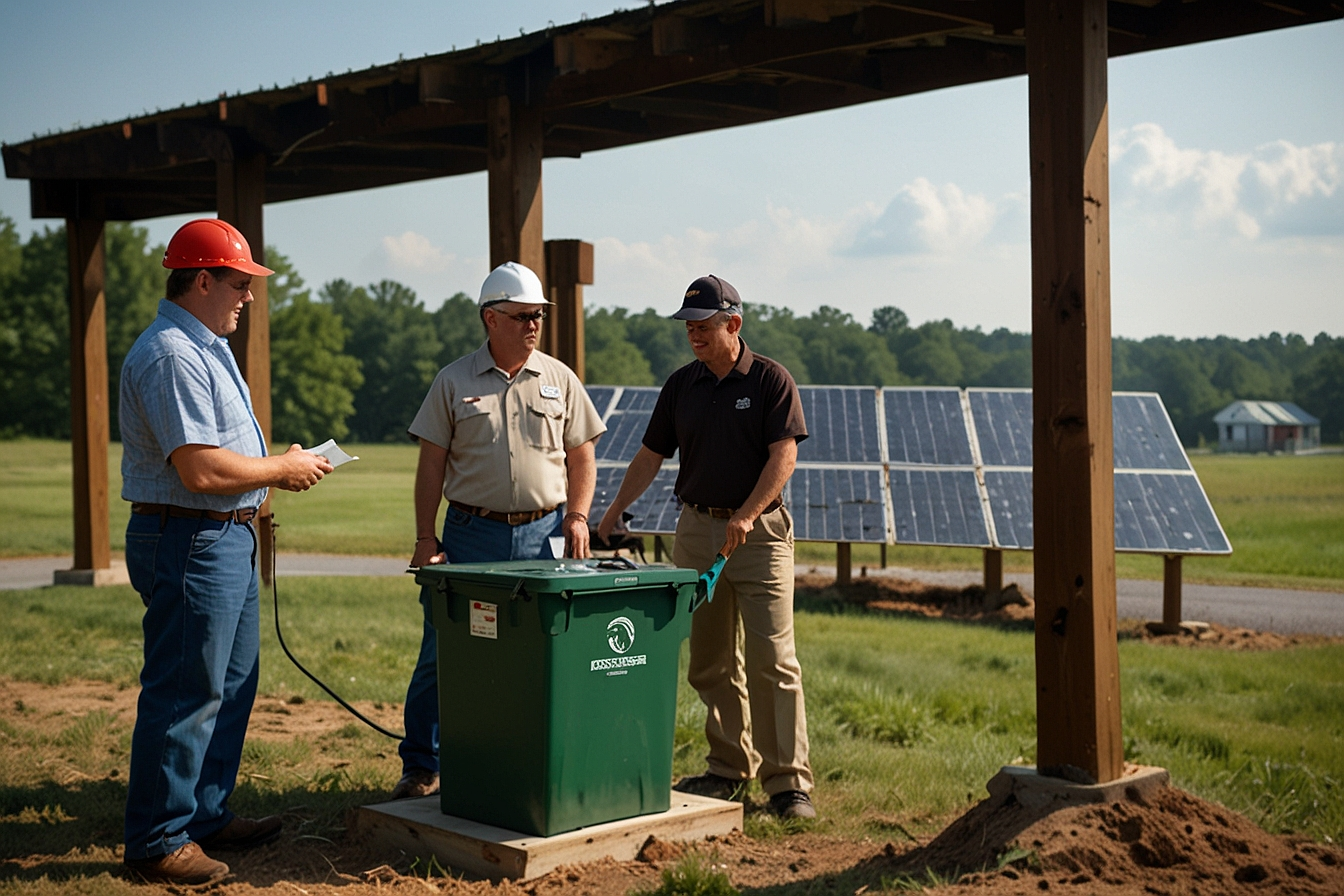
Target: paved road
[1264,609]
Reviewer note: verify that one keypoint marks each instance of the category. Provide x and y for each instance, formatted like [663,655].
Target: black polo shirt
[724,428]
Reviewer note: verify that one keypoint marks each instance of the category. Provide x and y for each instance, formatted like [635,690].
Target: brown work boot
[416,782]
[189,865]
[244,833]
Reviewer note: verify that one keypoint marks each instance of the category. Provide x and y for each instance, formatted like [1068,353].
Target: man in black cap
[737,418]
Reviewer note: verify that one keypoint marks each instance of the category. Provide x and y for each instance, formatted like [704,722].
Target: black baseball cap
[708,296]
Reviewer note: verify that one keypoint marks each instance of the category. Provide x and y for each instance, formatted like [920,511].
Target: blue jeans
[466,539]
[198,580]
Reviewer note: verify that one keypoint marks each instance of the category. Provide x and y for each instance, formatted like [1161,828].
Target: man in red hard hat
[195,468]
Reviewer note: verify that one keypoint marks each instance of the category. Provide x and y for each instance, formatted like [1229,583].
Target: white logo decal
[550,391]
[743,404]
[620,634]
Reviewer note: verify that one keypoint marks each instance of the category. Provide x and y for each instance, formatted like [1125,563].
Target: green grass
[1284,516]
[908,718]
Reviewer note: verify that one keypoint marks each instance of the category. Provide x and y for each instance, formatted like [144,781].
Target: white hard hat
[512,282]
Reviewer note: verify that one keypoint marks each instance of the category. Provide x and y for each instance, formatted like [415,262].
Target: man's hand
[739,527]
[427,553]
[300,470]
[575,528]
[609,521]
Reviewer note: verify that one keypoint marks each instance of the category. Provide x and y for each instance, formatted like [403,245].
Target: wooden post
[513,162]
[882,553]
[1171,593]
[844,564]
[1077,663]
[241,193]
[569,265]
[89,420]
[658,549]
[993,572]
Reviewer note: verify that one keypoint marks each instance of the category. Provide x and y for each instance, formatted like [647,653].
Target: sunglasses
[525,317]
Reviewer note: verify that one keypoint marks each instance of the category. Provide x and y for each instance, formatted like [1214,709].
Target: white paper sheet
[332,452]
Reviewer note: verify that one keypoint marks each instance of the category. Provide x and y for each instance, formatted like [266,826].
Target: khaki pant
[743,662]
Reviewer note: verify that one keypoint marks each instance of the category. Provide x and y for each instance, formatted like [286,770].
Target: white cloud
[1279,189]
[414,252]
[926,218]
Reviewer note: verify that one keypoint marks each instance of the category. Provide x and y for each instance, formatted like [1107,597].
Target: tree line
[353,362]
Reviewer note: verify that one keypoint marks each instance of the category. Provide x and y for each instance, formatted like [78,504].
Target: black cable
[275,597]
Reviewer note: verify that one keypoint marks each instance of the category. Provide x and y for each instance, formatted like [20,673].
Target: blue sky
[1227,172]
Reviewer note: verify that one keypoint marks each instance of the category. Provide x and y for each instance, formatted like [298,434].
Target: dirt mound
[1167,842]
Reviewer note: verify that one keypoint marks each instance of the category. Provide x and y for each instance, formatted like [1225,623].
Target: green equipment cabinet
[557,689]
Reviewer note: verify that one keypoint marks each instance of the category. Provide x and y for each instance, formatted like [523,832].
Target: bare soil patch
[1015,608]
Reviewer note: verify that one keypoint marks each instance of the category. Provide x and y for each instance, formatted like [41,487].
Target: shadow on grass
[73,832]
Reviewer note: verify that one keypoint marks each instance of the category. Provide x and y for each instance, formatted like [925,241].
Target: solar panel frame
[918,435]
[838,503]
[1144,437]
[909,490]
[859,437]
[937,506]
[1002,421]
[1165,513]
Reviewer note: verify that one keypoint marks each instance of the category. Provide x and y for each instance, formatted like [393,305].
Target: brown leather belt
[518,518]
[726,513]
[241,515]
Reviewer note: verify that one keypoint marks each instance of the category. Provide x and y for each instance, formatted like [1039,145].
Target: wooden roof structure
[625,78]
[662,71]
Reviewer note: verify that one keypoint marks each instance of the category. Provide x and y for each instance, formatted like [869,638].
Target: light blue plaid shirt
[181,386]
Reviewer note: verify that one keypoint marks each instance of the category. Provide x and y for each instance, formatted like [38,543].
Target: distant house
[1266,426]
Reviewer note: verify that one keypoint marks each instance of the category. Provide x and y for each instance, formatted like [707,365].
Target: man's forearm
[778,468]
[428,489]
[580,478]
[638,477]
[210,470]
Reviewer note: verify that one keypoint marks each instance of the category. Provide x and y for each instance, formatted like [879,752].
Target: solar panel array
[935,466]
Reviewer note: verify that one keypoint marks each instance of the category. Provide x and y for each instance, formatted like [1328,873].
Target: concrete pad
[114,575]
[1034,790]
[420,828]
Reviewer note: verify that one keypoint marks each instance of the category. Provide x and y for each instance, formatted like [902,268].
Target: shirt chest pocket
[544,426]
[476,420]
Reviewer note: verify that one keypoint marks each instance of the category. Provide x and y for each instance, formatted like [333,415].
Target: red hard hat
[211,243]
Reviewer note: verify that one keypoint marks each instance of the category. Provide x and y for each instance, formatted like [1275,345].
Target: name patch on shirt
[550,391]
[743,404]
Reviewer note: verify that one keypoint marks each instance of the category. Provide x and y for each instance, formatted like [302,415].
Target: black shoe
[710,784]
[792,804]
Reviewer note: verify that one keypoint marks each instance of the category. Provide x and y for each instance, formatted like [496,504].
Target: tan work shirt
[506,439]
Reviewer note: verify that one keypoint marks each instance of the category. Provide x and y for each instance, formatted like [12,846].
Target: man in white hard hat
[507,436]
[736,418]
[195,469]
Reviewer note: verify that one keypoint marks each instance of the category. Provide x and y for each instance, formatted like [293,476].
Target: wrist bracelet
[426,538]
[575,513]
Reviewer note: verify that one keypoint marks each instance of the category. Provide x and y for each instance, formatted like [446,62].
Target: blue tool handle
[704,588]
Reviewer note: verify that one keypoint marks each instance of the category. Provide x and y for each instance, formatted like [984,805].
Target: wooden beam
[241,188]
[89,420]
[1171,592]
[1077,663]
[513,159]
[993,572]
[844,563]
[569,266]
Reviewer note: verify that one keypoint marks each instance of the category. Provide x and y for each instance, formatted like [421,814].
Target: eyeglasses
[525,317]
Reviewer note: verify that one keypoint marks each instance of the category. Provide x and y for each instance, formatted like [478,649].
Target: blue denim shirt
[181,386]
